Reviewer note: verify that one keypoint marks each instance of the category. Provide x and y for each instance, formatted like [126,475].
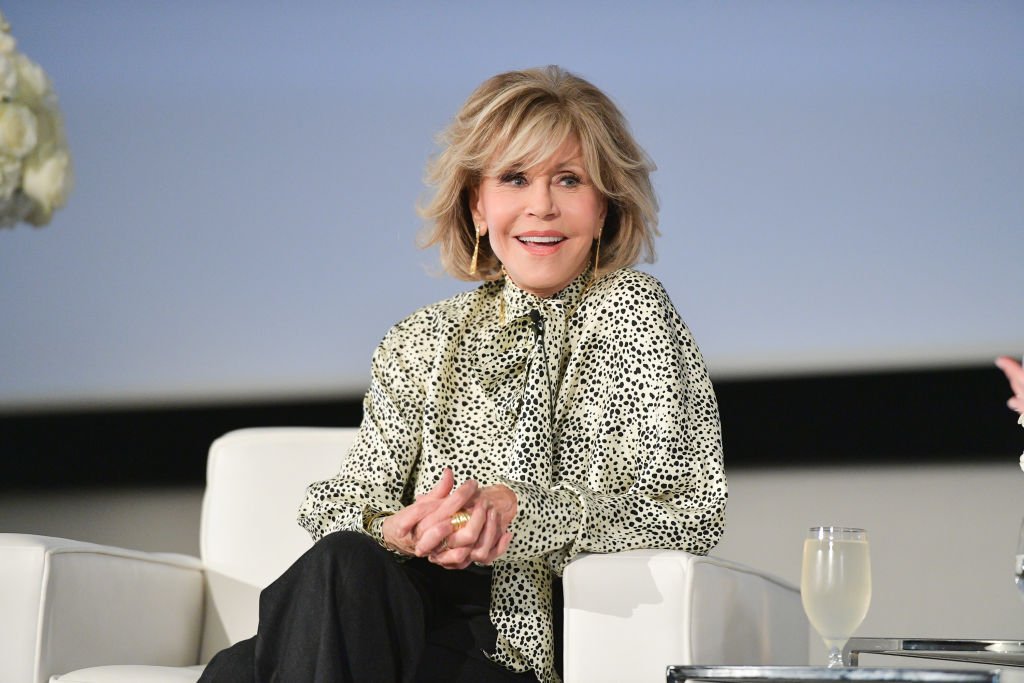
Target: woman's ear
[601,218]
[476,210]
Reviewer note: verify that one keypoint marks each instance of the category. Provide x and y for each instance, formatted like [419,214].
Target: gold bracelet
[371,515]
[369,520]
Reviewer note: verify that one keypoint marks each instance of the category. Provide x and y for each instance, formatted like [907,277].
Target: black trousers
[350,611]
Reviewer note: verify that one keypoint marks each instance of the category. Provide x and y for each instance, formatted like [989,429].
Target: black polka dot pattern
[594,406]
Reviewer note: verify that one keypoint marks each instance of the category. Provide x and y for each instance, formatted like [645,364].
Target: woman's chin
[543,287]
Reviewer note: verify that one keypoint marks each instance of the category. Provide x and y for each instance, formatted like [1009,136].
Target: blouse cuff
[545,520]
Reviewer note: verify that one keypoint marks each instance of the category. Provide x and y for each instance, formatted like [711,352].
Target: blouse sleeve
[655,477]
[373,476]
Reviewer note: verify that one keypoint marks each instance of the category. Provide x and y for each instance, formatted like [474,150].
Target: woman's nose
[541,202]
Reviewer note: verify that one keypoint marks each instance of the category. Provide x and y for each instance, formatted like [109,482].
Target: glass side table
[821,674]
[991,652]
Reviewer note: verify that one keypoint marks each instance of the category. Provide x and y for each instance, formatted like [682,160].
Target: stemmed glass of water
[835,584]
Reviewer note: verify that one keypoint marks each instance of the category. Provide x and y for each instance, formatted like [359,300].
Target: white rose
[32,80]
[47,181]
[7,41]
[49,131]
[10,204]
[10,176]
[35,166]
[18,130]
[5,33]
[8,76]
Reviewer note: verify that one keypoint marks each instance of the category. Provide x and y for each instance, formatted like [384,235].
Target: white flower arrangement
[35,166]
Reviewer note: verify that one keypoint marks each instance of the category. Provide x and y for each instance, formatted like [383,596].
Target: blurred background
[842,218]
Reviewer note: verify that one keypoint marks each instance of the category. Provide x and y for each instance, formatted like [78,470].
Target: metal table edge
[821,674]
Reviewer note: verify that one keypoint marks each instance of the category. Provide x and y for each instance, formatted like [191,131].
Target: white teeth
[541,240]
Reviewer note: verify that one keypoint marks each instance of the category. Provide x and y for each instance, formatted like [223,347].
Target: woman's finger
[451,558]
[461,497]
[460,558]
[502,499]
[437,526]
[444,485]
[467,536]
[398,529]
[487,540]
[502,546]
[464,541]
[405,520]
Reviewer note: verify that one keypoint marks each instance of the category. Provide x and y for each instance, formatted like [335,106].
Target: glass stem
[835,656]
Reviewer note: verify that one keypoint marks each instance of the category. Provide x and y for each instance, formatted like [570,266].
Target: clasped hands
[424,528]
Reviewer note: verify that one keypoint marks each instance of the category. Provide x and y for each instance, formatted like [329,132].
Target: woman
[564,396]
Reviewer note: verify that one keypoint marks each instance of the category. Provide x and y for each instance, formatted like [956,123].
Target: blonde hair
[519,119]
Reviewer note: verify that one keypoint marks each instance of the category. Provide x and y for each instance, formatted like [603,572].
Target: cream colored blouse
[594,406]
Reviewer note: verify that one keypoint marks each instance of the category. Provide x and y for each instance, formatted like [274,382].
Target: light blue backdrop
[842,183]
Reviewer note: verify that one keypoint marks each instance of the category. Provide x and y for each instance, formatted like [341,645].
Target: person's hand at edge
[1015,375]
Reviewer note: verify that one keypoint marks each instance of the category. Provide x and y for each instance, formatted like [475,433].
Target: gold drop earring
[597,253]
[476,250]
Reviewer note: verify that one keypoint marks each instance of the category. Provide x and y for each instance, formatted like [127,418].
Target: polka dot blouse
[594,406]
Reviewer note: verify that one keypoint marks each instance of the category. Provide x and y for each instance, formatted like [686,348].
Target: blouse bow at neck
[506,344]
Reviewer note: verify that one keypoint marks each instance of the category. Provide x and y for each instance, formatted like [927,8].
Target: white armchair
[73,612]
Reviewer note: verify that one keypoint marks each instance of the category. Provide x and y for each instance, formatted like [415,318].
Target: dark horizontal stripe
[919,416]
[914,416]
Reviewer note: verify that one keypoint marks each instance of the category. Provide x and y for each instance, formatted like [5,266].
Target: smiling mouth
[540,240]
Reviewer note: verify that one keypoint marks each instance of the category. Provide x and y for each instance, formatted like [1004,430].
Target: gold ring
[459,520]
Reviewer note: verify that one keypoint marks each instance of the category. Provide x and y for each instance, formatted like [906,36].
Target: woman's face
[542,221]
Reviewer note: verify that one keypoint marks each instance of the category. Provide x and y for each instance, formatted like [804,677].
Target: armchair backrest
[255,482]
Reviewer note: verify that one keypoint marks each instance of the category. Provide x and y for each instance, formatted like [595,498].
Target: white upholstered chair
[83,613]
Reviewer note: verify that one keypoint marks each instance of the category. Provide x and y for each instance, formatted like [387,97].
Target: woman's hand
[482,540]
[501,499]
[1015,374]
[485,537]
[406,530]
[424,528]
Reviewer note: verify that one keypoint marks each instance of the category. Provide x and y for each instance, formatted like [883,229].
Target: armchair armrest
[66,605]
[642,610]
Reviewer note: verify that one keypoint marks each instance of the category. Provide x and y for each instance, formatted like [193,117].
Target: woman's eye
[516,179]
[570,181]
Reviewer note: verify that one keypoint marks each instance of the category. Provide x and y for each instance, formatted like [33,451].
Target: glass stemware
[835,585]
